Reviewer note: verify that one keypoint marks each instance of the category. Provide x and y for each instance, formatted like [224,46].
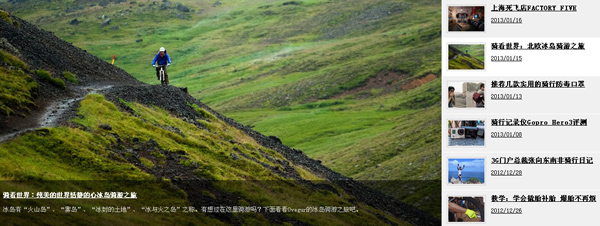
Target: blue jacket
[161,60]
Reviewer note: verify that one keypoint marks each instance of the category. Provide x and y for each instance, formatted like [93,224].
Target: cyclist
[456,209]
[163,60]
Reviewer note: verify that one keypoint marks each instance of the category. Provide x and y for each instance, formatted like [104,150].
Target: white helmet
[162,49]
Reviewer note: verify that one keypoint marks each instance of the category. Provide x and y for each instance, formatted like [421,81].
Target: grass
[90,153]
[404,141]
[5,16]
[12,60]
[67,159]
[351,123]
[476,50]
[471,57]
[473,180]
[146,162]
[17,89]
[17,92]
[70,77]
[45,75]
[463,62]
[276,67]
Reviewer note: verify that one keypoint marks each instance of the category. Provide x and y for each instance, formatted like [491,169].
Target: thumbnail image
[466,94]
[466,56]
[466,18]
[466,132]
[466,171]
[466,209]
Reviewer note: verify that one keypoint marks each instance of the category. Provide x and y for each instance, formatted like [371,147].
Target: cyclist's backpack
[477,97]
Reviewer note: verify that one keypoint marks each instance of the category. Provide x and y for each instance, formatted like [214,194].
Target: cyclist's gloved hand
[471,213]
[169,64]
[154,65]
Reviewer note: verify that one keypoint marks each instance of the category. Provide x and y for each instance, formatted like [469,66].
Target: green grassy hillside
[18,89]
[476,51]
[462,56]
[80,154]
[305,71]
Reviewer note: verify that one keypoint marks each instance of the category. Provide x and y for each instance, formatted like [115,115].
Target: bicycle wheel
[162,76]
[473,204]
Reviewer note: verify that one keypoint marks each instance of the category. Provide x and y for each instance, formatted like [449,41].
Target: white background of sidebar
[537,104]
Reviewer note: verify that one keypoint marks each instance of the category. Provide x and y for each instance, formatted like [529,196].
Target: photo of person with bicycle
[466,209]
[163,60]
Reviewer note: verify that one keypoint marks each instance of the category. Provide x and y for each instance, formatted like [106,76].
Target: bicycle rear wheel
[473,204]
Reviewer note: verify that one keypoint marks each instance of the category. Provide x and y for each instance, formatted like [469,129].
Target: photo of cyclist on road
[163,60]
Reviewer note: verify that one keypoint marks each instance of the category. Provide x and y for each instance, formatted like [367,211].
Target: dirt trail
[40,49]
[52,114]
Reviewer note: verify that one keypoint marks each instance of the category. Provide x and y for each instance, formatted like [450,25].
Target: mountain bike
[164,80]
[472,203]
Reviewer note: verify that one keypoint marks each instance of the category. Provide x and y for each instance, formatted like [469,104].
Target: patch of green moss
[158,155]
[146,162]
[204,113]
[17,92]
[5,16]
[12,60]
[70,77]
[45,75]
[186,162]
[209,194]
